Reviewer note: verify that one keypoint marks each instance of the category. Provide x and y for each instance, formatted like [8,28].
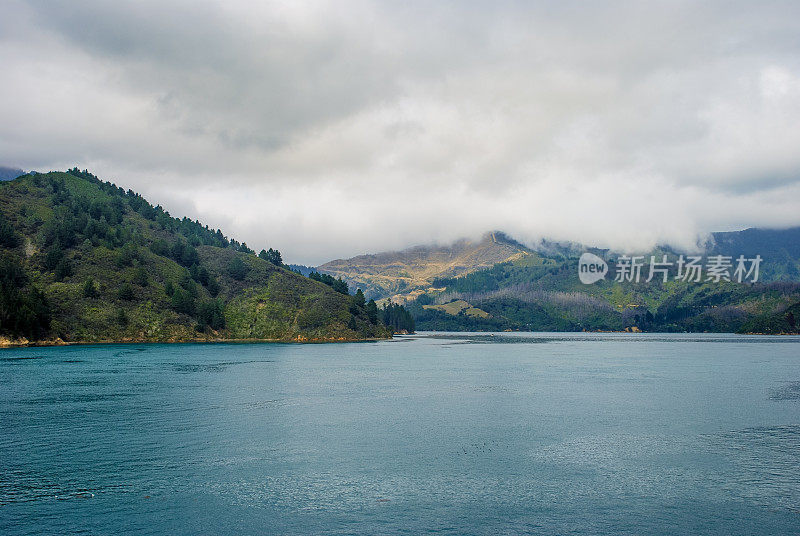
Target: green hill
[542,293]
[82,260]
[782,320]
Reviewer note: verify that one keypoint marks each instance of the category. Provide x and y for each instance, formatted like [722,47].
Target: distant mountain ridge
[9,173]
[753,241]
[497,283]
[401,275]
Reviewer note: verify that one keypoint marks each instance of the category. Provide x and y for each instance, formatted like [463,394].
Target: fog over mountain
[330,129]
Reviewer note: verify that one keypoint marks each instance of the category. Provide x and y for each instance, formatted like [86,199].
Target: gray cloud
[334,128]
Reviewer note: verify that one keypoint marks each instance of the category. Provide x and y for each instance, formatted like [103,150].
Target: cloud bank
[328,129]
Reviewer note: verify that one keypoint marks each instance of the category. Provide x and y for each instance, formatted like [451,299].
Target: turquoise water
[439,433]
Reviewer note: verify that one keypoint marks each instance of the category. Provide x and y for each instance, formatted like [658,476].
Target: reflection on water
[431,433]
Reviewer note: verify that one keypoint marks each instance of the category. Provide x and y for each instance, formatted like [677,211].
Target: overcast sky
[328,129]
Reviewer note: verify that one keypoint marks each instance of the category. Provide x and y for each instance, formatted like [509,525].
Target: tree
[89,289]
[183,301]
[160,247]
[53,256]
[336,284]
[125,292]
[140,277]
[237,269]
[359,299]
[211,313]
[127,255]
[24,311]
[271,255]
[184,254]
[63,269]
[372,311]
[213,286]
[340,286]
[8,237]
[188,284]
[398,318]
[200,274]
[276,258]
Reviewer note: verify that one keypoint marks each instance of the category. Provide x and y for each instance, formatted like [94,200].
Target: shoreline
[7,343]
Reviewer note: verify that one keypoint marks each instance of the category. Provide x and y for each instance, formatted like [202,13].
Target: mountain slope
[108,266]
[549,297]
[9,173]
[539,289]
[401,275]
[780,249]
[782,320]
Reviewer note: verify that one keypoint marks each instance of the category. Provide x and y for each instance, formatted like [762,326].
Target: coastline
[6,343]
[24,343]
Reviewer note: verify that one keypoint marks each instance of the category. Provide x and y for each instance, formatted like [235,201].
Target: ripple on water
[74,398]
[763,464]
[13,358]
[787,391]
[211,367]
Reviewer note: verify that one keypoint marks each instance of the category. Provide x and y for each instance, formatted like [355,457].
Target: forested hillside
[543,293]
[82,260]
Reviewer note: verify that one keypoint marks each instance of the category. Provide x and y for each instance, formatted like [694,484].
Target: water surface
[434,433]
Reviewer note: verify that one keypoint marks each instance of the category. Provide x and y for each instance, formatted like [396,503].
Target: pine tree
[359,298]
[237,269]
[372,311]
